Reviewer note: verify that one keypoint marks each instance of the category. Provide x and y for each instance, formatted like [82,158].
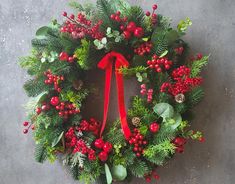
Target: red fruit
[179,149]
[117,18]
[55,101]
[45,107]
[99,143]
[72,16]
[138,154]
[179,141]
[154,6]
[122,27]
[127,35]
[113,16]
[148,179]
[202,139]
[63,56]
[199,56]
[138,32]
[154,127]
[107,147]
[25,131]
[131,27]
[118,13]
[91,157]
[64,14]
[38,110]
[148,13]
[33,127]
[70,59]
[103,156]
[26,123]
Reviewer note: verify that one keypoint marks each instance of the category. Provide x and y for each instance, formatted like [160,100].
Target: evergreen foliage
[197,66]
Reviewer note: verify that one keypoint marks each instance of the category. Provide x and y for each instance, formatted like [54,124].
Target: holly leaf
[119,172]
[164,110]
[108,174]
[57,140]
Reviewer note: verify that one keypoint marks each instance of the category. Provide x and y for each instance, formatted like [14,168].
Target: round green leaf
[42,31]
[164,110]
[108,174]
[119,172]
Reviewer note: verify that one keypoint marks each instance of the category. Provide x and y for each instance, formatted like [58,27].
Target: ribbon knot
[107,64]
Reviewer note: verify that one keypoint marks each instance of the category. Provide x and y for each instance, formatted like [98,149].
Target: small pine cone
[77,84]
[136,121]
[180,98]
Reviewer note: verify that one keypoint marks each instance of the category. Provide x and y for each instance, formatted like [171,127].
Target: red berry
[64,14]
[38,110]
[63,56]
[154,6]
[138,32]
[202,139]
[148,179]
[55,101]
[113,16]
[179,141]
[154,127]
[131,27]
[70,59]
[103,156]
[148,13]
[91,157]
[127,35]
[180,149]
[107,147]
[26,123]
[138,154]
[118,13]
[99,143]
[122,27]
[33,127]
[72,16]
[45,107]
[25,131]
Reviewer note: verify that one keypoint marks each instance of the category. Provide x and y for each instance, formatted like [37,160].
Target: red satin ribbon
[107,64]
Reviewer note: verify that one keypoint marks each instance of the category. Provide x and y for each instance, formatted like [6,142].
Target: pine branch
[166,133]
[195,96]
[139,168]
[135,14]
[138,108]
[198,65]
[159,41]
[77,159]
[40,153]
[75,172]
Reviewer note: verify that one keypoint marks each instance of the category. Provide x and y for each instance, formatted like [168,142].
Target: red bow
[107,64]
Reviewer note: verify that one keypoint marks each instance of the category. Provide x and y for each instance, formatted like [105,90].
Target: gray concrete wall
[213,31]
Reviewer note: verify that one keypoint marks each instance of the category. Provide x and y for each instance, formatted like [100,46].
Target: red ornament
[103,156]
[154,127]
[25,131]
[138,32]
[38,110]
[131,27]
[107,147]
[99,143]
[55,100]
[26,123]
[63,56]
[127,35]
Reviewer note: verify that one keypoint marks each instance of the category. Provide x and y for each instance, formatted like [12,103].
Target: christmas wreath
[112,36]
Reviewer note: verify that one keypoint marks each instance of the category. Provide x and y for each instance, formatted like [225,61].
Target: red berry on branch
[45,107]
[107,147]
[127,35]
[26,123]
[99,143]
[64,14]
[179,141]
[25,131]
[155,6]
[122,27]
[103,156]
[38,110]
[118,13]
[33,127]
[131,27]
[202,139]
[70,59]
[55,101]
[72,16]
[154,127]
[148,13]
[179,149]
[63,56]
[138,32]
[112,16]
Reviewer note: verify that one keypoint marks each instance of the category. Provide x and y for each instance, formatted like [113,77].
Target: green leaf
[42,31]
[119,172]
[178,119]
[172,36]
[164,110]
[57,140]
[184,24]
[104,41]
[108,174]
[109,30]
[164,53]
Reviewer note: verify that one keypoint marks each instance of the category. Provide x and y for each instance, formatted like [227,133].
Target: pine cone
[180,98]
[136,121]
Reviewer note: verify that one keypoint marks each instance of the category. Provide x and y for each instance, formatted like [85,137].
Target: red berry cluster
[154,127]
[78,145]
[132,29]
[148,177]
[138,141]
[179,50]
[90,126]
[80,26]
[106,148]
[53,79]
[183,82]
[153,15]
[28,125]
[159,64]
[179,143]
[65,108]
[148,92]
[144,48]
[116,17]
[65,57]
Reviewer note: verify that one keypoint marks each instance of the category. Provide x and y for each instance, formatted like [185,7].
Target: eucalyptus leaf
[108,174]
[178,119]
[42,31]
[119,172]
[57,140]
[164,110]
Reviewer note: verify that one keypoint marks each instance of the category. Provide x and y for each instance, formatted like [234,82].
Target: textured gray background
[212,32]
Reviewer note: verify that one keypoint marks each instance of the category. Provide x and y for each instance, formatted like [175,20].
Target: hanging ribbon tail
[106,64]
